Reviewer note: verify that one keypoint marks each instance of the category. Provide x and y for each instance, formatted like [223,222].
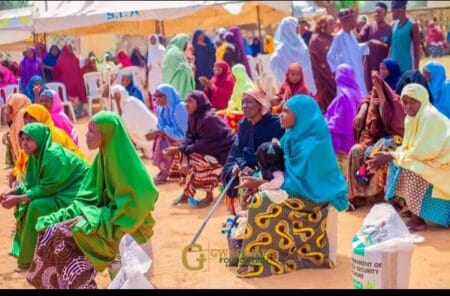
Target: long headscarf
[291,48]
[155,52]
[108,64]
[413,76]
[242,83]
[439,86]
[29,88]
[173,117]
[116,197]
[222,87]
[8,76]
[311,168]
[240,43]
[425,148]
[176,70]
[269,45]
[205,57]
[58,115]
[289,89]
[123,58]
[256,46]
[394,72]
[29,67]
[68,71]
[131,88]
[137,59]
[50,60]
[17,103]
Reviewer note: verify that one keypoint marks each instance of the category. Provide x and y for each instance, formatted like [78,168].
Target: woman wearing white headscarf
[290,48]
[138,120]
[155,57]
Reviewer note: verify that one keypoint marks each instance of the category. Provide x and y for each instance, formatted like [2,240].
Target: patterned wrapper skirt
[200,174]
[161,143]
[417,193]
[282,238]
[58,262]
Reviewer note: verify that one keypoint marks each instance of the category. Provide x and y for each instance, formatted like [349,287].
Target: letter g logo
[201,258]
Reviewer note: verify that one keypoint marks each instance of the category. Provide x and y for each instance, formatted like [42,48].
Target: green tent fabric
[54,175]
[242,83]
[116,197]
[176,70]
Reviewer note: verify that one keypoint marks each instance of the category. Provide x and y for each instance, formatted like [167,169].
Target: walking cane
[211,212]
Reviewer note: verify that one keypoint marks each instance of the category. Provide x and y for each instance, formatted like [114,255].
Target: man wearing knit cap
[378,34]
[345,48]
[405,36]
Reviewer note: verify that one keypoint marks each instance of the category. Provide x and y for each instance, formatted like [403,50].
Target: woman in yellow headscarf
[38,113]
[269,45]
[420,167]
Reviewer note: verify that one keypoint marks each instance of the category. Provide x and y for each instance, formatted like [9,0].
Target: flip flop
[198,203]
[178,200]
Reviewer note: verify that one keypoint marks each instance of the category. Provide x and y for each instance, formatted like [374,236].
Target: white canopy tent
[16,24]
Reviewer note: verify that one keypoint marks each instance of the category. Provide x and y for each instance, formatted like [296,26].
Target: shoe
[180,199]
[198,203]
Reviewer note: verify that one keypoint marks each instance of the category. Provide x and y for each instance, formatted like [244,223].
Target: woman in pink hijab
[51,100]
[6,77]
[123,59]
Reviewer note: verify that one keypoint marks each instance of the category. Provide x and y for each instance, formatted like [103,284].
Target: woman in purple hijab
[343,109]
[240,43]
[28,67]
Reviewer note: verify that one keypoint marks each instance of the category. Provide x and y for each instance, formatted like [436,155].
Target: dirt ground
[175,227]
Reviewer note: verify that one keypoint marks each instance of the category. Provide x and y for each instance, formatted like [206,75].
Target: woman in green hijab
[47,187]
[116,198]
[176,70]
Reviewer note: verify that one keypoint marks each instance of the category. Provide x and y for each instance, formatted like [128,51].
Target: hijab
[155,52]
[132,89]
[439,86]
[29,67]
[311,168]
[269,45]
[137,59]
[222,86]
[50,60]
[256,46]
[123,59]
[242,83]
[240,46]
[29,88]
[413,76]
[17,103]
[394,72]
[289,89]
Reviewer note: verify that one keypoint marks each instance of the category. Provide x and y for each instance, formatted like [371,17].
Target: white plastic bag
[135,263]
[382,250]
[332,233]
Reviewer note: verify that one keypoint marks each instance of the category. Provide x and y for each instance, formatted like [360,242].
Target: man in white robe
[345,49]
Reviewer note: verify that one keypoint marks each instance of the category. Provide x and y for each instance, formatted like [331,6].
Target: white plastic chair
[267,82]
[94,89]
[61,90]
[5,92]
[255,68]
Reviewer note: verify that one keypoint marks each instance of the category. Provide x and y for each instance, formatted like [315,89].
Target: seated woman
[390,72]
[138,120]
[51,100]
[198,161]
[294,84]
[53,177]
[34,88]
[115,198]
[127,81]
[220,87]
[291,234]
[342,111]
[258,126]
[171,128]
[38,113]
[15,110]
[378,124]
[434,73]
[420,167]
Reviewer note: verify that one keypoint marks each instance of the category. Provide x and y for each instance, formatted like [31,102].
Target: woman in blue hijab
[205,57]
[390,72]
[292,229]
[30,91]
[439,85]
[127,81]
[49,62]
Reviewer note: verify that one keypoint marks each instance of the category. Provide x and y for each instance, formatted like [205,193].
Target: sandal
[180,199]
[198,203]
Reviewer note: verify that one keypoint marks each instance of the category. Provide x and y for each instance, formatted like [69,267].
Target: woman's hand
[72,222]
[153,134]
[169,152]
[379,160]
[11,201]
[37,89]
[250,183]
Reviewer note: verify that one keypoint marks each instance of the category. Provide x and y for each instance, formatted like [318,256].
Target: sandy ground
[175,227]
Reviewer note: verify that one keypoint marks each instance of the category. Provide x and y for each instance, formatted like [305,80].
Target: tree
[13,4]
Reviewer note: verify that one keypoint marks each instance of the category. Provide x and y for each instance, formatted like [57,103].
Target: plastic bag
[134,264]
[332,233]
[382,250]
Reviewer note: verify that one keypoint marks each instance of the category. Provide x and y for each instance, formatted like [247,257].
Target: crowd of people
[350,125]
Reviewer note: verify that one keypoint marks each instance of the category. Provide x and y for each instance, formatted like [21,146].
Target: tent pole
[157,26]
[292,8]
[259,22]
[162,29]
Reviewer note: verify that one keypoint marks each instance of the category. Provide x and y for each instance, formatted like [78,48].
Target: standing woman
[176,69]
[318,47]
[155,58]
[115,198]
[269,45]
[137,59]
[240,47]
[49,62]
[205,57]
[68,71]
[290,48]
[171,128]
[28,67]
